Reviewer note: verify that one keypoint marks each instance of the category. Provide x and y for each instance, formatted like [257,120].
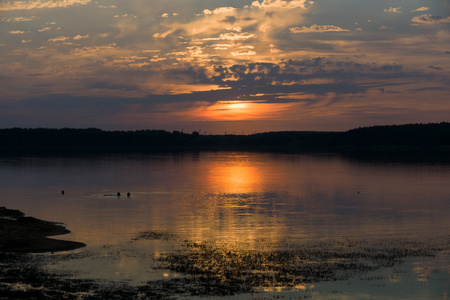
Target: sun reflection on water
[233,207]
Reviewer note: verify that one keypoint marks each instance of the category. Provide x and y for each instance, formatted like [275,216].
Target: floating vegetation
[239,268]
[215,268]
[155,235]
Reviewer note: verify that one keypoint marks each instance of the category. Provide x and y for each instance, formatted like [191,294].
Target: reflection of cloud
[316,28]
[21,5]
[430,19]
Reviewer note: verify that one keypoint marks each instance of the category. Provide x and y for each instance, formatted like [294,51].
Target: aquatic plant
[242,267]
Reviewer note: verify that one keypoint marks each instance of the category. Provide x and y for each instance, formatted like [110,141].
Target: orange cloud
[22,5]
[316,28]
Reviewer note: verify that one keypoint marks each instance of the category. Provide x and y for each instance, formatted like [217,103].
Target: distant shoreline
[409,139]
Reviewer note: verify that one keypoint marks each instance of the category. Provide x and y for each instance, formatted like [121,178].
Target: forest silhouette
[423,138]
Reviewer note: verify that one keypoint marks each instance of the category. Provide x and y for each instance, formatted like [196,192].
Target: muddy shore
[19,233]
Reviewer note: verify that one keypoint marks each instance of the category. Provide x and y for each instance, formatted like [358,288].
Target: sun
[237,105]
[234,110]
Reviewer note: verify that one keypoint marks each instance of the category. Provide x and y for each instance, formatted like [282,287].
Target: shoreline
[22,234]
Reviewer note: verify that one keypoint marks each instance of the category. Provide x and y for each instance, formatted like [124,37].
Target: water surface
[227,196]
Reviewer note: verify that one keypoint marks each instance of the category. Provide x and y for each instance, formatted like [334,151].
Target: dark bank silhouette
[433,137]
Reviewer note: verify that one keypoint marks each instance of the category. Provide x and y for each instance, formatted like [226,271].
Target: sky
[223,66]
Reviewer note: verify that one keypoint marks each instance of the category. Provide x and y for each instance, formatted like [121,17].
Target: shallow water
[234,197]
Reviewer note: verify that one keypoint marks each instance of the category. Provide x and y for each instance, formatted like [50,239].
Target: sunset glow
[290,65]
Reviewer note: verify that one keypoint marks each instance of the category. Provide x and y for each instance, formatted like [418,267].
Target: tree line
[431,136]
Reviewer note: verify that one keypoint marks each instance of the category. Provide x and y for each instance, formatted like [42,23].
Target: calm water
[231,196]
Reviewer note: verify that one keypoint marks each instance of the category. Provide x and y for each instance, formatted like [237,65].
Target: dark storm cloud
[295,71]
[193,74]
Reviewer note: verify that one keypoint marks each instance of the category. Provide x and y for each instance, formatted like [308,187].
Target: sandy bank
[27,234]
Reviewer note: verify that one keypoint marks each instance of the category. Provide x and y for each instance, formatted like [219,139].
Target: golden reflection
[235,209]
[235,176]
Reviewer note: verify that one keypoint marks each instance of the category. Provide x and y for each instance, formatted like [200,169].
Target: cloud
[104,6]
[243,52]
[430,19]
[281,4]
[127,16]
[18,32]
[159,35]
[316,28]
[435,68]
[234,28]
[316,76]
[220,10]
[423,8]
[396,10]
[93,49]
[79,37]
[45,29]
[18,19]
[165,15]
[103,85]
[27,5]
[232,36]
[59,39]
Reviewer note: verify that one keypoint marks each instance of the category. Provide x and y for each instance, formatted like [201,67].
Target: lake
[252,199]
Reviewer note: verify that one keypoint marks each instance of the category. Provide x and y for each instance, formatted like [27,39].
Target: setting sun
[237,105]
